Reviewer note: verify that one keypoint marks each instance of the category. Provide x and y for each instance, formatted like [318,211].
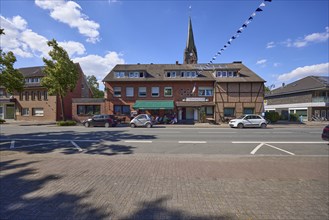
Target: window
[122,109]
[119,74]
[37,112]
[39,95]
[168,91]
[2,93]
[20,96]
[188,74]
[27,96]
[228,112]
[117,91]
[130,91]
[25,111]
[32,95]
[230,74]
[142,91]
[136,74]
[155,91]
[88,109]
[209,110]
[45,95]
[248,111]
[205,91]
[226,74]
[171,74]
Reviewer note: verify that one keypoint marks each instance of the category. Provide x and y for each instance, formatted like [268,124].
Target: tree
[61,74]
[94,86]
[10,78]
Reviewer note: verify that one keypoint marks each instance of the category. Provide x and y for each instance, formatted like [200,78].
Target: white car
[248,121]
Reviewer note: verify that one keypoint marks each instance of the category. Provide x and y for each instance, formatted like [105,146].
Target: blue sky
[286,41]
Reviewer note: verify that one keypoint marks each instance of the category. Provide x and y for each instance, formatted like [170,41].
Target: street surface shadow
[19,198]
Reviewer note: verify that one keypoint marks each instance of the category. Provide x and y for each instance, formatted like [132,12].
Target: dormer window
[171,74]
[226,74]
[188,74]
[119,74]
[136,75]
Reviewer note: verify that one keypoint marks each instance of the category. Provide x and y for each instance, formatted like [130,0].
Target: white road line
[280,149]
[12,144]
[61,140]
[192,142]
[137,141]
[204,132]
[76,146]
[257,148]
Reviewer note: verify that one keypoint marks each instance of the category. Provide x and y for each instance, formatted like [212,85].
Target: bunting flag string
[237,34]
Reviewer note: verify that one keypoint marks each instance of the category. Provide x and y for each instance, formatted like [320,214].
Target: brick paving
[154,186]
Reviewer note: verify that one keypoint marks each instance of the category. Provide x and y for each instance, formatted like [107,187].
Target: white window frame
[116,89]
[119,74]
[206,91]
[154,91]
[25,112]
[172,74]
[129,91]
[142,90]
[168,88]
[38,112]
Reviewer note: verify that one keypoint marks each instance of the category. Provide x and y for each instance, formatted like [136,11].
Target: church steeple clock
[190,52]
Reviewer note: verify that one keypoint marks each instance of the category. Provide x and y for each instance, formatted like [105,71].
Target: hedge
[66,123]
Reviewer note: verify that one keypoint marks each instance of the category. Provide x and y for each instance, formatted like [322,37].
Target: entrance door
[189,114]
[10,111]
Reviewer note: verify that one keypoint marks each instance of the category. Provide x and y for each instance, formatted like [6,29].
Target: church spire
[190,52]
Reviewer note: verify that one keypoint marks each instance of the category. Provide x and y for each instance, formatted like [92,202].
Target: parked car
[248,121]
[142,120]
[325,133]
[101,120]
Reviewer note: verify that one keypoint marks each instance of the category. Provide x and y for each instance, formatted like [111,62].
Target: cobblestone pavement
[151,186]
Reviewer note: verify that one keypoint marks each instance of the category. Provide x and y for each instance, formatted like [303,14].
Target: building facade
[189,91]
[35,104]
[307,97]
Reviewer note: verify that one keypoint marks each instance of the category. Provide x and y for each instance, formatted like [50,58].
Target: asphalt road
[170,140]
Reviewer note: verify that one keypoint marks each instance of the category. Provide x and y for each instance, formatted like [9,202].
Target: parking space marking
[76,146]
[137,141]
[257,148]
[280,149]
[12,144]
[192,142]
[279,142]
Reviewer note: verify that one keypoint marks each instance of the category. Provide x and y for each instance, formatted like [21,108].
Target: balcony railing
[320,99]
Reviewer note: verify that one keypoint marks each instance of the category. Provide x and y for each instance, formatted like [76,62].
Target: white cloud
[69,12]
[99,66]
[270,45]
[300,72]
[262,61]
[308,39]
[24,42]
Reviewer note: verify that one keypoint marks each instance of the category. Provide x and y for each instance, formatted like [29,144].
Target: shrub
[272,116]
[2,121]
[293,117]
[66,123]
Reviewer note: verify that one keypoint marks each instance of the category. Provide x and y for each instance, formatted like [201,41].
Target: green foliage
[2,121]
[272,116]
[61,73]
[66,123]
[293,117]
[10,78]
[94,86]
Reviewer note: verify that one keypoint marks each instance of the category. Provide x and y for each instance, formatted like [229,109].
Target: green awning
[153,105]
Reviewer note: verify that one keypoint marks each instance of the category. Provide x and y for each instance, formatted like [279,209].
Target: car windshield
[242,116]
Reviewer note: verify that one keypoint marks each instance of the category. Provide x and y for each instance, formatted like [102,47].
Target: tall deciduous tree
[10,78]
[94,86]
[61,74]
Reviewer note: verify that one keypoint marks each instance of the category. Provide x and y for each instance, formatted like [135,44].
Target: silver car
[248,121]
[142,120]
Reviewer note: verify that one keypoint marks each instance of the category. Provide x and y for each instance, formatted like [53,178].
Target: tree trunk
[62,108]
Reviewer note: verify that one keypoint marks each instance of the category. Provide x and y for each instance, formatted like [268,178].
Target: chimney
[177,62]
[283,84]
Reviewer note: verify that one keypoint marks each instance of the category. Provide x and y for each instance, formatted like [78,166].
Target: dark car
[101,120]
[325,133]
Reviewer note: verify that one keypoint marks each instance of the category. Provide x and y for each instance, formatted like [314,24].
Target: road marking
[192,142]
[216,132]
[280,149]
[33,145]
[54,140]
[76,146]
[12,144]
[257,148]
[136,141]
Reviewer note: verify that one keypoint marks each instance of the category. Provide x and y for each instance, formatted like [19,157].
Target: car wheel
[263,125]
[240,125]
[148,125]
[87,124]
[107,125]
[132,125]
